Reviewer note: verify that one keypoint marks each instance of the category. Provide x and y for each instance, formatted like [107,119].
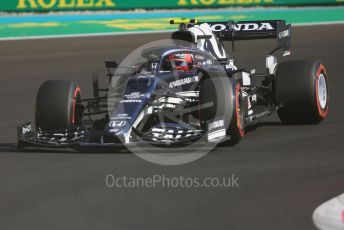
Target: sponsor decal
[216,135]
[134,95]
[154,65]
[26,129]
[243,27]
[222,2]
[115,124]
[64,4]
[121,116]
[114,130]
[216,130]
[283,34]
[216,124]
[60,5]
[184,81]
[254,97]
[130,101]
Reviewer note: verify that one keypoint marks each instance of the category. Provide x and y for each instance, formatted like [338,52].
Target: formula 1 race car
[191,91]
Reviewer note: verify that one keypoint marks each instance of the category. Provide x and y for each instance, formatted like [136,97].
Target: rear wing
[248,30]
[242,30]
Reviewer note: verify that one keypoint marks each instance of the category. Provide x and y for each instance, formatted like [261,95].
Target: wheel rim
[322,91]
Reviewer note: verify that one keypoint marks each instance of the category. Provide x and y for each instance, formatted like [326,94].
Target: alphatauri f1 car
[187,92]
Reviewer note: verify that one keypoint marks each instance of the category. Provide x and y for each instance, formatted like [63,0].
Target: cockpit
[170,59]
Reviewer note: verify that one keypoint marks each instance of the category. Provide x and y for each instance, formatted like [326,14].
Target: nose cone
[130,109]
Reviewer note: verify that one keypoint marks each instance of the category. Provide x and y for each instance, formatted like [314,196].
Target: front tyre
[301,88]
[226,96]
[56,106]
[236,129]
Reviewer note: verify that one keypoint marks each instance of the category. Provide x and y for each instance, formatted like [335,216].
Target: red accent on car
[76,92]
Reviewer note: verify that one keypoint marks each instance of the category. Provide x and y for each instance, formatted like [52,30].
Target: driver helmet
[182,62]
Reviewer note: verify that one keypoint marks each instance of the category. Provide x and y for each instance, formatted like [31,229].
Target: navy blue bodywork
[142,91]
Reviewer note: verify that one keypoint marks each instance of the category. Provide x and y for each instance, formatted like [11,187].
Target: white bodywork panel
[211,45]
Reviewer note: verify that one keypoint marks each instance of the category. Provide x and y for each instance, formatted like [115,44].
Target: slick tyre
[56,105]
[225,95]
[302,91]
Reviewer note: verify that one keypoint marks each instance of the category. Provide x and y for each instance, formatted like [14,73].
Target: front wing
[78,139]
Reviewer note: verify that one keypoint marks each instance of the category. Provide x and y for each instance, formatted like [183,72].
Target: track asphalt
[284,172]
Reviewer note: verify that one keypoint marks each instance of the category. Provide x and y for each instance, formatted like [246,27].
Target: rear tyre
[56,105]
[302,91]
[226,97]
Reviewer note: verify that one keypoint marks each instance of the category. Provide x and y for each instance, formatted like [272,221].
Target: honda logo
[115,124]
